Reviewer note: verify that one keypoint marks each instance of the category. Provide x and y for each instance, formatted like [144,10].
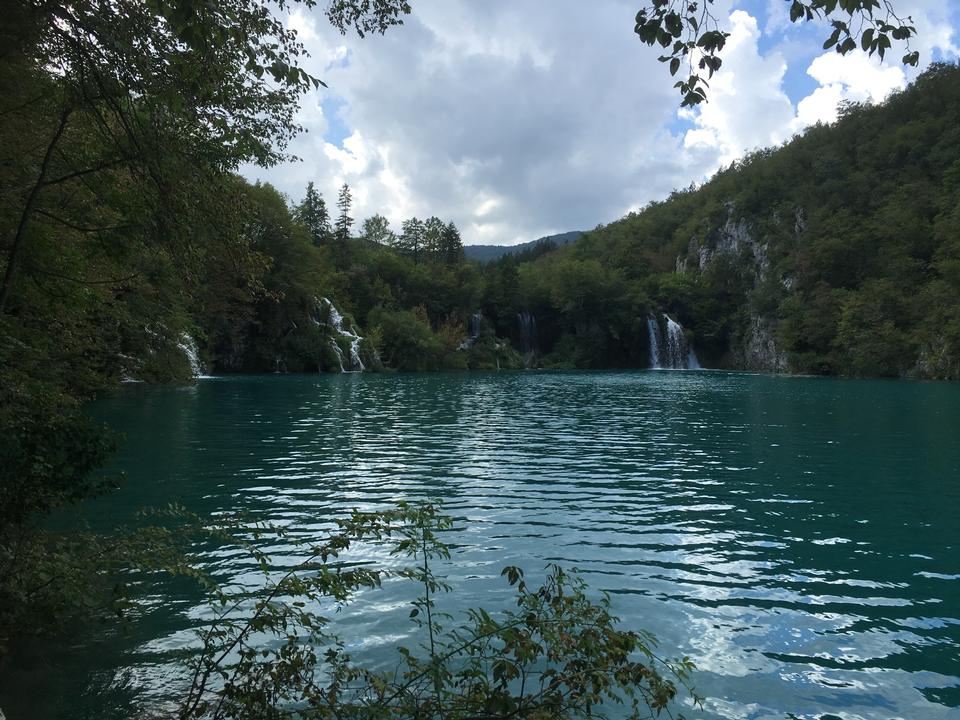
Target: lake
[798,538]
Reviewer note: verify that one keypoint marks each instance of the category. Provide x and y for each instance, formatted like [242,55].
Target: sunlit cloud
[516,120]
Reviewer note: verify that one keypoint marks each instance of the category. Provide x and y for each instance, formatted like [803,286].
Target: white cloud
[849,78]
[516,120]
[858,77]
[747,107]
[511,120]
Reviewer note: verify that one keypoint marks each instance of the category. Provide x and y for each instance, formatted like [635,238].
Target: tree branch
[80,228]
[17,246]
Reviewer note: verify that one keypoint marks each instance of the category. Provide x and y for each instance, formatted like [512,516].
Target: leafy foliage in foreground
[555,654]
[120,221]
[690,34]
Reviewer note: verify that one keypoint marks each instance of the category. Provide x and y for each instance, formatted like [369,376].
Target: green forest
[835,254]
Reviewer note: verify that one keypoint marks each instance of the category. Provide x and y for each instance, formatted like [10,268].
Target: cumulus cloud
[851,78]
[516,120]
[857,77]
[747,106]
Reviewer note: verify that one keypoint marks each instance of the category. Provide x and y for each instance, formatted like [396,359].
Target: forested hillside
[486,253]
[838,253]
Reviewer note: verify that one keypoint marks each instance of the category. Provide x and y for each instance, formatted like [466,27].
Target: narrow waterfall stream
[335,321]
[188,346]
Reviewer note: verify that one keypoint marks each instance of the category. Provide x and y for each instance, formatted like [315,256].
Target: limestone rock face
[936,361]
[737,238]
[759,351]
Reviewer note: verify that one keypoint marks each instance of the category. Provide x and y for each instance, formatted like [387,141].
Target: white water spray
[335,320]
[669,348]
[188,346]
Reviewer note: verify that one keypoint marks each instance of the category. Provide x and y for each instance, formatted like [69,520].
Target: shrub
[556,653]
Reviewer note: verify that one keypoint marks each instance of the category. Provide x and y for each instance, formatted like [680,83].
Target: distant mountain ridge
[489,253]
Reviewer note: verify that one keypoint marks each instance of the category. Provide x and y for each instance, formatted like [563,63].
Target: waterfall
[475,321]
[336,348]
[473,328]
[653,333]
[527,327]
[675,342]
[188,346]
[527,324]
[335,321]
[669,348]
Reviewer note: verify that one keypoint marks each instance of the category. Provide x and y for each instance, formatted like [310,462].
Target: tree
[411,238]
[120,124]
[367,16]
[689,32]
[157,82]
[312,212]
[376,229]
[433,230]
[451,245]
[171,82]
[344,221]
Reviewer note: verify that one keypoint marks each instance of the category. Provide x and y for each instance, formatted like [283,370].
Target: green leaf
[796,11]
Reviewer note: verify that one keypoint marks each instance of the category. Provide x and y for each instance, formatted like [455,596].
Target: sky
[517,119]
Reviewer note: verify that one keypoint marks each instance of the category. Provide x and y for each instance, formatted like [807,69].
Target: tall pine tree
[312,212]
[451,245]
[344,221]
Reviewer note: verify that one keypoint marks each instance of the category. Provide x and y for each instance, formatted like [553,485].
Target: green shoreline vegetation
[129,238]
[837,254]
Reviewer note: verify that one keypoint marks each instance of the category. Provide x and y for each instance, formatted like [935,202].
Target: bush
[555,654]
[407,340]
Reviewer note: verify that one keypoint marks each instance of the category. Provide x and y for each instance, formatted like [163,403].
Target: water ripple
[798,538]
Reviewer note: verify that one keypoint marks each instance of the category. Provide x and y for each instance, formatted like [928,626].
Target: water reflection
[796,537]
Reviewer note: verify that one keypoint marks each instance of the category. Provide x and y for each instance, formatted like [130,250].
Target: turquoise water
[797,537]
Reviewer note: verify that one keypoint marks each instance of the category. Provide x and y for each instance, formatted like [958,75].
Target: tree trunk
[14,256]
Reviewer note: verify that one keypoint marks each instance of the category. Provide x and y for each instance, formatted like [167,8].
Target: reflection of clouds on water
[761,525]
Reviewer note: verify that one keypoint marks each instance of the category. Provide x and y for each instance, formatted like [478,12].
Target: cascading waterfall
[675,343]
[339,353]
[335,321]
[527,327]
[188,346]
[669,348]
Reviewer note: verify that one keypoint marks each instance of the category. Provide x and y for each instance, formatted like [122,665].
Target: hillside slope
[838,253]
[488,253]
